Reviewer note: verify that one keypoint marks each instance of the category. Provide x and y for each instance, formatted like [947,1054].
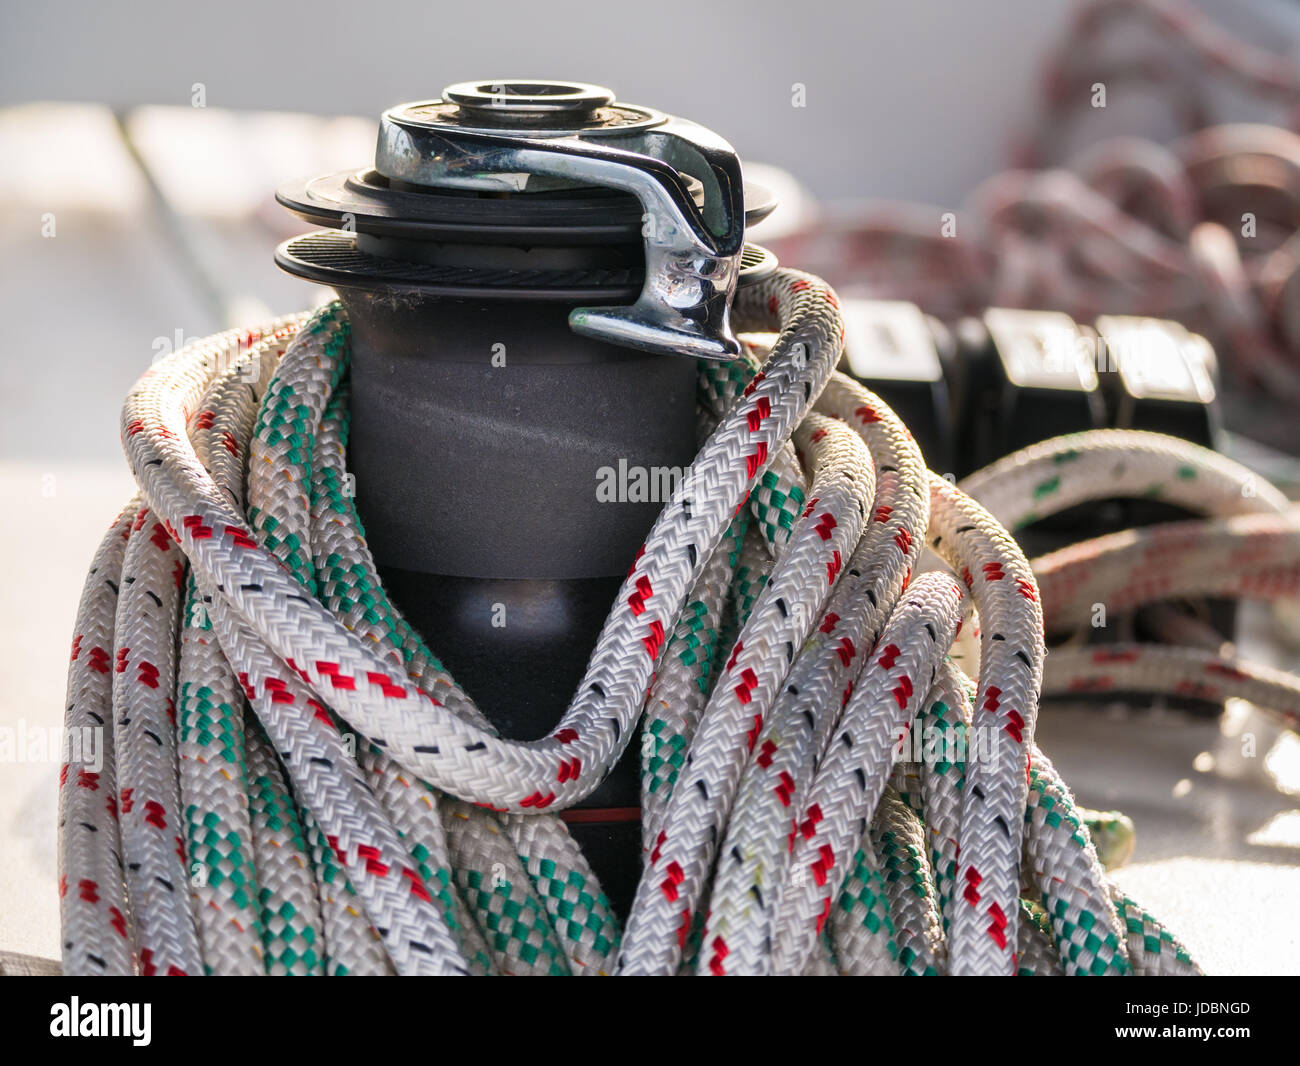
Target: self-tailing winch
[516,249]
[423,646]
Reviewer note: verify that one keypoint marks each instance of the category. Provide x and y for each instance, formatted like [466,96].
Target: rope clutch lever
[513,137]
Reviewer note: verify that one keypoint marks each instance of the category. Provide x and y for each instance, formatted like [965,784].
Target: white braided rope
[144,683]
[983,923]
[388,710]
[899,841]
[684,679]
[947,719]
[1112,463]
[293,932]
[1254,555]
[92,894]
[210,703]
[564,882]
[214,791]
[382,830]
[670,890]
[855,768]
[754,858]
[1179,671]
[1036,954]
[861,927]
[1062,869]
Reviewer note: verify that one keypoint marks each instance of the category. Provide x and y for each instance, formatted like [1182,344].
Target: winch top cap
[530,107]
[511,138]
[515,100]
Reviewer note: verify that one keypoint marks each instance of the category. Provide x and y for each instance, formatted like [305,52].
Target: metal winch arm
[692,252]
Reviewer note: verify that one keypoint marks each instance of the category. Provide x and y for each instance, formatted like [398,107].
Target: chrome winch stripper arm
[854,770]
[92,896]
[672,884]
[390,711]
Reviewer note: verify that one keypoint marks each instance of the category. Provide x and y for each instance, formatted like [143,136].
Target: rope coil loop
[781,630]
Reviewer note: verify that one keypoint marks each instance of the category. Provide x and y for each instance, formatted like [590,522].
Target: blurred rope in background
[1204,229]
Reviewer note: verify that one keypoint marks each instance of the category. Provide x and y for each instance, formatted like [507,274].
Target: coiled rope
[778,638]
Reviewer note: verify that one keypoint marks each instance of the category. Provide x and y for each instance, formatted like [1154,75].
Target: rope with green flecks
[304,838]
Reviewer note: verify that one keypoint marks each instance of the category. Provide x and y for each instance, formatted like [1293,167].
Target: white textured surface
[1216,856]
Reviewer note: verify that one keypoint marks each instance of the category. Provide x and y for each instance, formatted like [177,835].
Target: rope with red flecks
[777,845]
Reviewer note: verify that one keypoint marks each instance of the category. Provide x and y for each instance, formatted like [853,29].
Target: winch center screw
[517,102]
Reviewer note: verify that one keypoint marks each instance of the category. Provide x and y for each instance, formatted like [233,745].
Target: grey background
[914,99]
[903,98]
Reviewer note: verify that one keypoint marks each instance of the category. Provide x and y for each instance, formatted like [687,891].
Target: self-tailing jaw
[513,137]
